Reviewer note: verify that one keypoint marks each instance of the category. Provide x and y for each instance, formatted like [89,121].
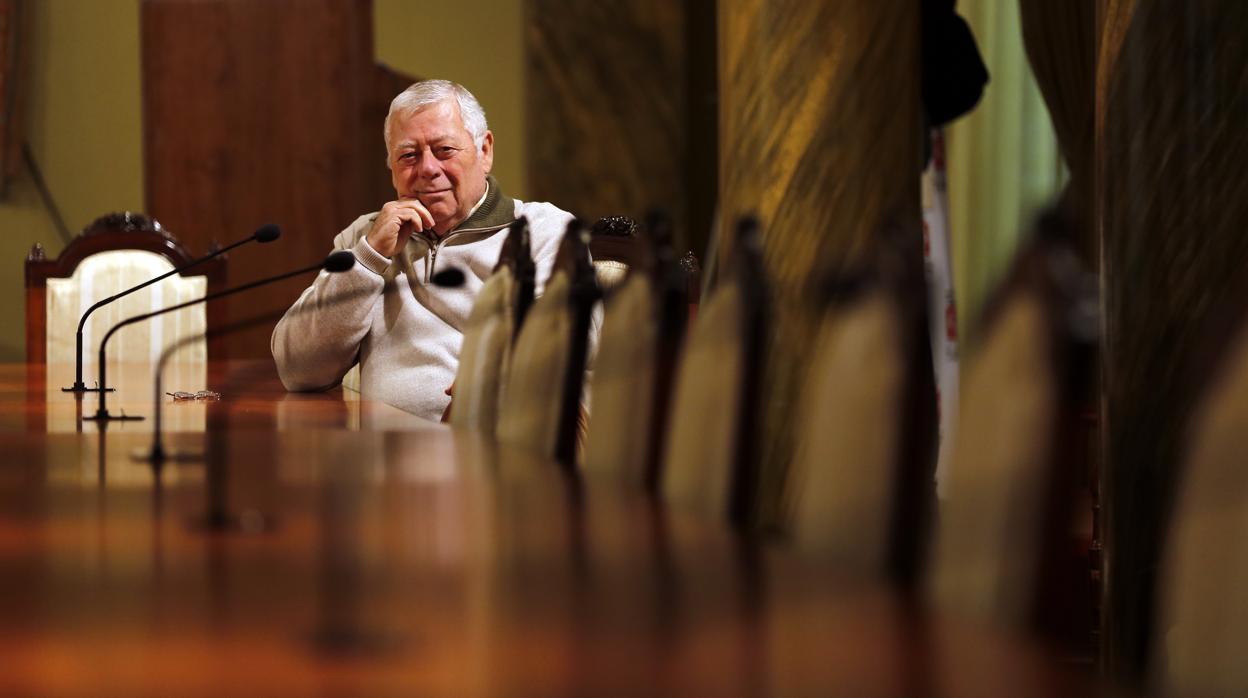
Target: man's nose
[429,165]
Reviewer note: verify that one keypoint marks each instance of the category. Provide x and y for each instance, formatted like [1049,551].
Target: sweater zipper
[432,260]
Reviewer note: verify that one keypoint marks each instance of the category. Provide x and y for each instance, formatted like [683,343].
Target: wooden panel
[259,112]
[819,135]
[606,114]
[1175,183]
[11,52]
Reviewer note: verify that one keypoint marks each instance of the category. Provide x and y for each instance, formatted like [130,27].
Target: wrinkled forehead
[428,123]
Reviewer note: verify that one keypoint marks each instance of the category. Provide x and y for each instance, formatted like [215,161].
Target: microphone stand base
[80,388]
[104,416]
[147,456]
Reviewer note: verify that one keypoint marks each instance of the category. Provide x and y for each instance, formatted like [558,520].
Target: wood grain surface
[420,561]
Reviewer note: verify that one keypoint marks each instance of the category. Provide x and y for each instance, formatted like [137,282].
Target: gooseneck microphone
[265,233]
[341,260]
[450,277]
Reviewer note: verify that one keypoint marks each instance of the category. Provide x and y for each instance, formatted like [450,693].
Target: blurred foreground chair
[116,252]
[492,327]
[1004,531]
[862,482]
[540,408]
[631,384]
[1201,628]
[710,464]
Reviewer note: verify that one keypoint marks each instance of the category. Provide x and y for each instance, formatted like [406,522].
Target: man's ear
[487,152]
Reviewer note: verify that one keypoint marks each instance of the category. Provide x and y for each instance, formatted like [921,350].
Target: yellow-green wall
[476,43]
[1003,162]
[83,124]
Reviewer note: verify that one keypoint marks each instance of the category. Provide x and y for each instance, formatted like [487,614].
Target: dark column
[1174,178]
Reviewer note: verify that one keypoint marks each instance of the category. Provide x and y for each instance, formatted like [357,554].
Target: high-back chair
[1201,628]
[631,382]
[615,247]
[116,252]
[1004,528]
[494,323]
[710,465]
[862,481]
[540,409]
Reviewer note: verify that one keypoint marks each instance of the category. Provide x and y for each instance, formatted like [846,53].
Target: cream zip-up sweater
[404,332]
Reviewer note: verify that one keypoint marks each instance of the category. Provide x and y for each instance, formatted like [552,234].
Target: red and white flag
[941,309]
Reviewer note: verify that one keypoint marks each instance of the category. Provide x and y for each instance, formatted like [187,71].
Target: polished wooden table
[323,545]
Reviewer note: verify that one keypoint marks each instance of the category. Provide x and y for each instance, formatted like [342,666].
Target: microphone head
[450,277]
[268,233]
[341,260]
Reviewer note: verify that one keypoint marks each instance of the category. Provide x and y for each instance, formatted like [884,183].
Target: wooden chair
[540,408]
[115,252]
[1201,627]
[862,482]
[631,384]
[1003,540]
[615,248]
[710,463]
[495,322]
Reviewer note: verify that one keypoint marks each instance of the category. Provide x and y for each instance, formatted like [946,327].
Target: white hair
[429,92]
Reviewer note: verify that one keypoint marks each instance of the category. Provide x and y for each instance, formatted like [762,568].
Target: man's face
[433,160]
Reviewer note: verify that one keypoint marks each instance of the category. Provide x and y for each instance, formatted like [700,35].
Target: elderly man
[448,212]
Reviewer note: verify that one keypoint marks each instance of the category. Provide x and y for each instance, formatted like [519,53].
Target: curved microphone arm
[338,261]
[158,453]
[267,233]
[450,277]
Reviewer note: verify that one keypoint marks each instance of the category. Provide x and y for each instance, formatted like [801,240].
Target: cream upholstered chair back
[623,382]
[644,322]
[492,326]
[710,462]
[1004,524]
[1202,624]
[484,355]
[986,554]
[862,479]
[114,253]
[541,401]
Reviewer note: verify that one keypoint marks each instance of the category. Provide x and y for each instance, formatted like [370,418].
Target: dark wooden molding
[113,231]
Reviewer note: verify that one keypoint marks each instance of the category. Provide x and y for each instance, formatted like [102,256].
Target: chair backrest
[862,481]
[1202,622]
[1004,527]
[710,465]
[615,248]
[116,252]
[540,409]
[642,328]
[494,323]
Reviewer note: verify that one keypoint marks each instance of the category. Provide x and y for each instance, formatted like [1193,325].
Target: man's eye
[447,151]
[407,157]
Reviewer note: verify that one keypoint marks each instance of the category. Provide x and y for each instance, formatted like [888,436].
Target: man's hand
[396,223]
